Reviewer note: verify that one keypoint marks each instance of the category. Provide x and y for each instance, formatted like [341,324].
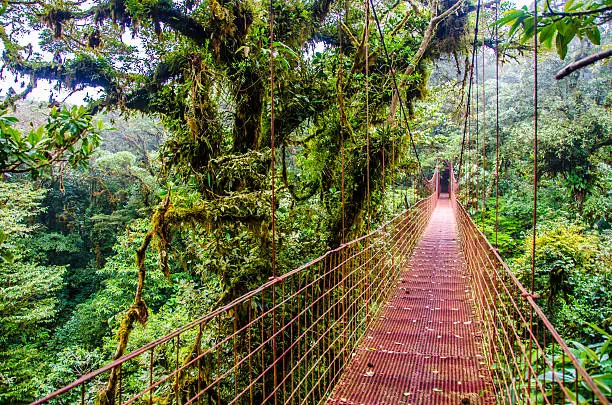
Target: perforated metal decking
[426,347]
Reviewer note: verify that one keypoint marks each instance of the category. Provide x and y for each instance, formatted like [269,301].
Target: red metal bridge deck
[426,347]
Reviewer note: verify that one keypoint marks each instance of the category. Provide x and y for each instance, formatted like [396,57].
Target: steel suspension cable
[532,321]
[476,147]
[396,88]
[469,124]
[367,85]
[368,292]
[382,156]
[273,199]
[496,126]
[393,167]
[535,143]
[467,108]
[484,139]
[340,85]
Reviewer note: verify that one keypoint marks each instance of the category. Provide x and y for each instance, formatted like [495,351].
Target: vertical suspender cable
[273,199]
[340,89]
[369,196]
[496,126]
[367,86]
[535,142]
[484,140]
[472,172]
[465,125]
[399,96]
[382,156]
[535,180]
[467,104]
[393,168]
[339,85]
[468,120]
[477,145]
[468,151]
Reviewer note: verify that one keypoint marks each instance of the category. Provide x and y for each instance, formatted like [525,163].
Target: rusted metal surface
[426,345]
[287,342]
[530,362]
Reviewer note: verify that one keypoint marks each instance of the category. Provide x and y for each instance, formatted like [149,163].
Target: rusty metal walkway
[426,347]
[420,311]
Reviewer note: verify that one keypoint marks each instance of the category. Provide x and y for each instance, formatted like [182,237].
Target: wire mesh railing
[530,362]
[285,342]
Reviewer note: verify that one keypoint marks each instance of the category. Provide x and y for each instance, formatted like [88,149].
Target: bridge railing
[285,342]
[531,363]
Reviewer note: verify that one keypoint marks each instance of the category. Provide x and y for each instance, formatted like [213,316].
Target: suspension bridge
[420,311]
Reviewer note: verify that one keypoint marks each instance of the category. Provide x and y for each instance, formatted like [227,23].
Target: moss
[138,311]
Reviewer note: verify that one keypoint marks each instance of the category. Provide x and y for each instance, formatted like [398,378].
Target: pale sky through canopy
[44,88]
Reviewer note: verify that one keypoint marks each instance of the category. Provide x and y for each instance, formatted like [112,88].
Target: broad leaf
[594,35]
[561,45]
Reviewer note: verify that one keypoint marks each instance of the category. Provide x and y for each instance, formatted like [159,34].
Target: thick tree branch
[401,24]
[183,24]
[85,70]
[599,145]
[96,73]
[348,32]
[13,96]
[554,13]
[161,12]
[429,33]
[579,64]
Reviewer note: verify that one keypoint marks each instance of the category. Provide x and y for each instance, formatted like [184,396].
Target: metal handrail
[512,304]
[344,288]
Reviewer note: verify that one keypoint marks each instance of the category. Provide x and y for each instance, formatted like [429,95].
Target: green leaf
[594,35]
[16,136]
[285,48]
[10,120]
[547,33]
[32,139]
[572,396]
[568,28]
[562,27]
[517,24]
[528,30]
[510,16]
[561,45]
[550,375]
[600,330]
[587,351]
[604,381]
[7,256]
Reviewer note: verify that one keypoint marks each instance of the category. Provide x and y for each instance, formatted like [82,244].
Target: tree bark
[580,63]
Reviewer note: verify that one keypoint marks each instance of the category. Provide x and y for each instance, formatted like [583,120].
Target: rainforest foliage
[126,218]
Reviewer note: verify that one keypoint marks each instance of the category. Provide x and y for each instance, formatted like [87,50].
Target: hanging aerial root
[138,311]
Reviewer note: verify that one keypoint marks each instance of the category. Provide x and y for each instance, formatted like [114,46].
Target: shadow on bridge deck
[426,346]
